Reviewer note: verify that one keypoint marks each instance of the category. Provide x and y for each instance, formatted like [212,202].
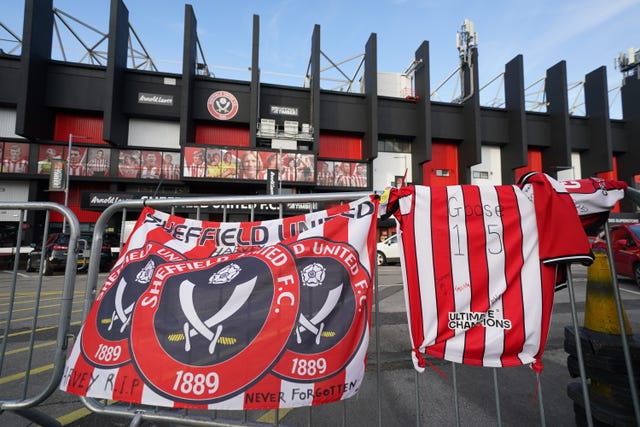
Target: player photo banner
[253,315]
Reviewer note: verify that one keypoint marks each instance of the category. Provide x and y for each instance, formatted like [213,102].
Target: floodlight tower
[467,43]
[466,40]
[629,63]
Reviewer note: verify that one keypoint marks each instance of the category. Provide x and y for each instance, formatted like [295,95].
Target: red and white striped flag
[253,315]
[479,267]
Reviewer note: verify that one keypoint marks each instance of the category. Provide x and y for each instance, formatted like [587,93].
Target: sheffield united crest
[106,332]
[333,310]
[222,105]
[204,322]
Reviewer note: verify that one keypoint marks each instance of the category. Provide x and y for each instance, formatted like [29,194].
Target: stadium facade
[139,133]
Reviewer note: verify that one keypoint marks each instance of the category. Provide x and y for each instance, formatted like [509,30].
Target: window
[394,145]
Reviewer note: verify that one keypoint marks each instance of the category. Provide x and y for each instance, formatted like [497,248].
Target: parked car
[111,241]
[388,251]
[56,249]
[625,242]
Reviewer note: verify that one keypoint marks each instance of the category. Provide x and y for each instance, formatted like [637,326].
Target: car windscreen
[635,229]
[110,239]
[62,240]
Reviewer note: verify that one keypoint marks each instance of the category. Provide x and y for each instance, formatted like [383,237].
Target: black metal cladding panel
[280,97]
[397,117]
[151,84]
[628,163]
[619,136]
[494,125]
[538,128]
[579,132]
[202,90]
[133,76]
[514,153]
[447,121]
[343,112]
[76,87]
[9,83]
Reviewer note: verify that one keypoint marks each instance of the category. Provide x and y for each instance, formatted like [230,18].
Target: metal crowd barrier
[25,404]
[591,376]
[31,389]
[138,414]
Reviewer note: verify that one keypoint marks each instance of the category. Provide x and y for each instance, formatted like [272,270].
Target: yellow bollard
[600,313]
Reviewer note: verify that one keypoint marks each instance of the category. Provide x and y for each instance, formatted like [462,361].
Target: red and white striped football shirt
[15,166]
[594,198]
[479,266]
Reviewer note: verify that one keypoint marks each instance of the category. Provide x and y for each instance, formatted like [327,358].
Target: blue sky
[586,34]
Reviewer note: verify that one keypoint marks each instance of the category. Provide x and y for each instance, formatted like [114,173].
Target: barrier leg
[602,352]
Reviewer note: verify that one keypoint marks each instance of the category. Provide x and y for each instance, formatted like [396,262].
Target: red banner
[253,315]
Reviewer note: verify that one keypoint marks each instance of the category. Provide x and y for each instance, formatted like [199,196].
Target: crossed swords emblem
[223,105]
[195,325]
[124,313]
[120,312]
[315,325]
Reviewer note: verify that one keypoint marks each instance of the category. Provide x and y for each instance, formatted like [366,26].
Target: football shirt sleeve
[561,234]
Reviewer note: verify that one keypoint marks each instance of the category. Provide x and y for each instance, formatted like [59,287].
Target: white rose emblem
[313,275]
[226,275]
